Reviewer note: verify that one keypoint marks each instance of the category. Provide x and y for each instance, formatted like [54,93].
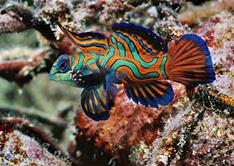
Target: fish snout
[52,74]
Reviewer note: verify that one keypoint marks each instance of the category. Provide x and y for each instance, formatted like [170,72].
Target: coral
[23,18]
[184,141]
[218,33]
[141,150]
[24,144]
[212,142]
[175,140]
[195,14]
[21,71]
[11,23]
[134,125]
[34,118]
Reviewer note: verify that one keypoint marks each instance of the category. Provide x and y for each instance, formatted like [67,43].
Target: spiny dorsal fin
[147,39]
[88,41]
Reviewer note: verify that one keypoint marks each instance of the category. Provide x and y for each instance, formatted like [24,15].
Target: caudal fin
[191,63]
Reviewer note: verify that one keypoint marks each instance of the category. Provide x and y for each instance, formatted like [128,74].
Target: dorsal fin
[145,37]
[88,41]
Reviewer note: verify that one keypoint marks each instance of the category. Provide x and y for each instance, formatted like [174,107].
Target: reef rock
[23,144]
[129,126]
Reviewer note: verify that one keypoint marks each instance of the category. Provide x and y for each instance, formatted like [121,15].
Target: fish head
[80,75]
[61,70]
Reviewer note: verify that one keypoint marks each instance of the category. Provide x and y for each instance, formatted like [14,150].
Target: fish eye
[64,64]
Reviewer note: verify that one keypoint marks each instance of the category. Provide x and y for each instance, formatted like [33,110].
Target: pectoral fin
[154,94]
[96,103]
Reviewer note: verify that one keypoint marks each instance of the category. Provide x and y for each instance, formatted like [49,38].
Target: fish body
[136,57]
[129,58]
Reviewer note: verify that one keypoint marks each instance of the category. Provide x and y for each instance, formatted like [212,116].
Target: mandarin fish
[135,57]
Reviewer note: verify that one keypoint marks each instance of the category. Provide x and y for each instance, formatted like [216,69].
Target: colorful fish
[136,57]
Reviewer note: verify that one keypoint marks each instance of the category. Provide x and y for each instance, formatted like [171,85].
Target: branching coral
[22,71]
[16,18]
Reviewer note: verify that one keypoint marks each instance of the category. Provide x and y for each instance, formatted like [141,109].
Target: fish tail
[190,61]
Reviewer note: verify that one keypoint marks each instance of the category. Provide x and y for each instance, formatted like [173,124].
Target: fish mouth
[52,76]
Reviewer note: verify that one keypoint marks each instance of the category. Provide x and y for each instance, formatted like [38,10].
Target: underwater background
[42,123]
